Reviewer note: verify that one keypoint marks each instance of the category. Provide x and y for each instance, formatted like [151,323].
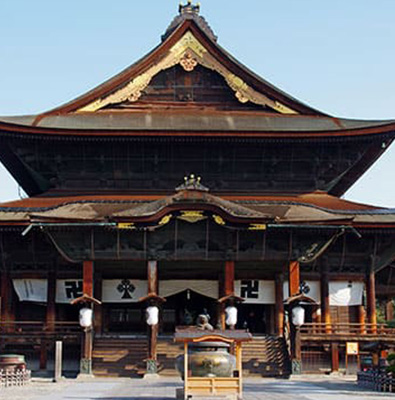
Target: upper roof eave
[191,125]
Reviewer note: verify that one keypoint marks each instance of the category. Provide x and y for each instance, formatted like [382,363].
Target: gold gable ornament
[188,52]
[192,216]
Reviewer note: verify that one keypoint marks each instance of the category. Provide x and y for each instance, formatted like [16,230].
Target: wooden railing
[311,330]
[378,381]
[35,329]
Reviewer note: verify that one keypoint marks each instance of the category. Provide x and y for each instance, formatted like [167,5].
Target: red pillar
[325,308]
[153,285]
[294,278]
[371,300]
[87,287]
[279,307]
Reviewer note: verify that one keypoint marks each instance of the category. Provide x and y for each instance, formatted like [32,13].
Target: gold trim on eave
[126,225]
[166,219]
[192,216]
[257,227]
[219,220]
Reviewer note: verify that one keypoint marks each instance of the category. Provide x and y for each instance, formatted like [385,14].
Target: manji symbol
[250,289]
[127,288]
[73,289]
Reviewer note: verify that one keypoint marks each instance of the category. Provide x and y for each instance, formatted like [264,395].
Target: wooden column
[50,317]
[98,320]
[228,288]
[335,357]
[325,308]
[294,278]
[153,288]
[361,319]
[279,307]
[51,301]
[87,348]
[7,301]
[87,286]
[229,277]
[371,300]
[389,309]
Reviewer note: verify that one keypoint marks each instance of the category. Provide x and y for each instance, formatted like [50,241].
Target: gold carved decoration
[126,225]
[188,62]
[257,227]
[219,220]
[192,216]
[188,52]
[166,219]
[188,42]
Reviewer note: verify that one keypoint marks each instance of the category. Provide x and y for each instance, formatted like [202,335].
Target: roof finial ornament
[189,8]
[192,182]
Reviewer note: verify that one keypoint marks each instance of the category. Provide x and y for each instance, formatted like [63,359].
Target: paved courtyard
[299,388]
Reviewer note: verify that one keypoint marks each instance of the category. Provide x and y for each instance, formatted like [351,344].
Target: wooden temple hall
[189,183]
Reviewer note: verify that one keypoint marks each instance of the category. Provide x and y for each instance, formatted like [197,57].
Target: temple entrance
[257,318]
[124,318]
[184,308]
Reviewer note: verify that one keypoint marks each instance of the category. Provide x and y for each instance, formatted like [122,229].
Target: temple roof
[188,42]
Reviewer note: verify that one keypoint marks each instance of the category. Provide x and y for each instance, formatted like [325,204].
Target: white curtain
[314,292]
[256,291]
[203,287]
[34,290]
[345,293]
[68,290]
[123,290]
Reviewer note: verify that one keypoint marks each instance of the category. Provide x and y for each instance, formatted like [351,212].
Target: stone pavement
[297,388]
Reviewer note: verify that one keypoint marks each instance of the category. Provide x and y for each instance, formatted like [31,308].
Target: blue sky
[335,55]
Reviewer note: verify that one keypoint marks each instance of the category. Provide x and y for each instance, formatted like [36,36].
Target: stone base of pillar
[296,367]
[86,367]
[152,370]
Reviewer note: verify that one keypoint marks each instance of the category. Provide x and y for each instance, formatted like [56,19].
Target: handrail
[341,328]
[32,328]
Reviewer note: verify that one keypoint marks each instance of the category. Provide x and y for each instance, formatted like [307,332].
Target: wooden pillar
[87,348]
[371,300]
[325,307]
[335,357]
[7,302]
[389,309]
[228,289]
[294,278]
[51,301]
[153,287]
[361,319]
[87,286]
[279,307]
[98,320]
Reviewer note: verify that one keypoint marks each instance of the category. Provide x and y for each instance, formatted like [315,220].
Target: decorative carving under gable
[188,62]
[188,52]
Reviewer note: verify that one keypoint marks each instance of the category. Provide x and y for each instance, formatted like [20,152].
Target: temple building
[189,183]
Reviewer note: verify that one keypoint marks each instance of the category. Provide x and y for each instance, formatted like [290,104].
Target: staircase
[265,356]
[119,357]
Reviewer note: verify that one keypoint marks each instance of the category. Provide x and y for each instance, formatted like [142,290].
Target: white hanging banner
[312,289]
[256,291]
[123,290]
[345,293]
[68,290]
[203,287]
[34,290]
